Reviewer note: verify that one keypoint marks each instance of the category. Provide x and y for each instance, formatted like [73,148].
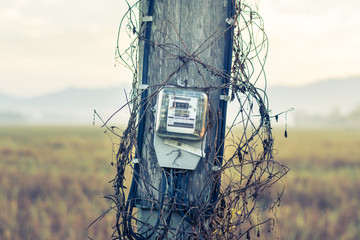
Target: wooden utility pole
[185,43]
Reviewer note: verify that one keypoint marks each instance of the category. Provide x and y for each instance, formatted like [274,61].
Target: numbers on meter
[181,117]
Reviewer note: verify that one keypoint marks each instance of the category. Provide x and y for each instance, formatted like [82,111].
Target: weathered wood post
[185,44]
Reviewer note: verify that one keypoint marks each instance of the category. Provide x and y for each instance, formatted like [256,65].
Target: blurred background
[57,66]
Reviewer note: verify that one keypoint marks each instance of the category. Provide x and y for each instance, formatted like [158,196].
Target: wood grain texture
[183,30]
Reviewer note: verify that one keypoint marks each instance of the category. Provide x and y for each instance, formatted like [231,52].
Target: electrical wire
[245,184]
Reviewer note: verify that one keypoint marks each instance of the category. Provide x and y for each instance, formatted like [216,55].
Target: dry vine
[248,181]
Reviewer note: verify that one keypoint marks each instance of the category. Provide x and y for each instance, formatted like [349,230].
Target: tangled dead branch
[248,180]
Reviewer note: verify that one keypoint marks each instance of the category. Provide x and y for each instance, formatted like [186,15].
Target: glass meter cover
[181,113]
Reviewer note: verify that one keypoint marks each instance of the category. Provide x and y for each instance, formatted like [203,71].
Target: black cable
[142,117]
[144,94]
[253,147]
[223,103]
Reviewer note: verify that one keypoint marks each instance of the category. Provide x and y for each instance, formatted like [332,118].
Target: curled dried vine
[248,181]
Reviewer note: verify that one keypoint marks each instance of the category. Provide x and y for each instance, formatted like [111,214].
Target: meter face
[181,113]
[181,116]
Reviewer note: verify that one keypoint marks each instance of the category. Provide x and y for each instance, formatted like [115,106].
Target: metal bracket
[225,97]
[135,160]
[147,19]
[216,168]
[143,86]
[230,21]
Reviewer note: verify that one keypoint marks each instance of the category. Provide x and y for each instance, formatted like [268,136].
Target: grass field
[53,180]
[322,195]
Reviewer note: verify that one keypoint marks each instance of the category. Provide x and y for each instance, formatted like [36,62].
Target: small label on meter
[181,116]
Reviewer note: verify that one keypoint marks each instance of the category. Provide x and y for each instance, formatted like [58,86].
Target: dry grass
[52,181]
[323,187]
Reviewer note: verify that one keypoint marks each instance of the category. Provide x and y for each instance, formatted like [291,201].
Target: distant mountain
[332,98]
[318,98]
[71,106]
[5,98]
[324,99]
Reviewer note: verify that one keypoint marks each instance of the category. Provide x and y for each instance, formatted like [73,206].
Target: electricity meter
[180,138]
[181,113]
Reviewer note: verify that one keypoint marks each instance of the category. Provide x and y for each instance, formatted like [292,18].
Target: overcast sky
[311,40]
[50,45]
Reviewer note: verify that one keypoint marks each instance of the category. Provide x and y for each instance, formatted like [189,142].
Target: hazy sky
[311,40]
[49,45]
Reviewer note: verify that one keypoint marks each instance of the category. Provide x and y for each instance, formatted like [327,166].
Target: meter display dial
[181,113]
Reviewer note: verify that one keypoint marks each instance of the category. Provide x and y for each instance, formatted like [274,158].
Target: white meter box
[180,127]
[181,113]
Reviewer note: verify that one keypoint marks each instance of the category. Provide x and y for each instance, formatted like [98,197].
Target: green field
[53,179]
